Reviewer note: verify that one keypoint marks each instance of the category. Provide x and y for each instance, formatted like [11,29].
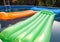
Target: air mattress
[14,15]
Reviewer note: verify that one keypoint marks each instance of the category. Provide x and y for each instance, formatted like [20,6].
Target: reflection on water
[56,32]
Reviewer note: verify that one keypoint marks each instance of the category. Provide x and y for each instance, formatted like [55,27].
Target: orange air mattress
[13,15]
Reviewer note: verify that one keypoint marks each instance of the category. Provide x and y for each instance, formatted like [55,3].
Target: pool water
[13,10]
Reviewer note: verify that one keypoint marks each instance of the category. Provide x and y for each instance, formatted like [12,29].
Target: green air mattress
[35,29]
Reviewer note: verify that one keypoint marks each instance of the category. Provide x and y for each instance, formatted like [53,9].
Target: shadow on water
[57,18]
[8,23]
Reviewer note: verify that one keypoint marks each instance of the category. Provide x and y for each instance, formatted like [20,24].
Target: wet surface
[55,32]
[0,40]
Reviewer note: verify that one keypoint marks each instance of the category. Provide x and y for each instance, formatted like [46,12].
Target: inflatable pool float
[37,28]
[14,15]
